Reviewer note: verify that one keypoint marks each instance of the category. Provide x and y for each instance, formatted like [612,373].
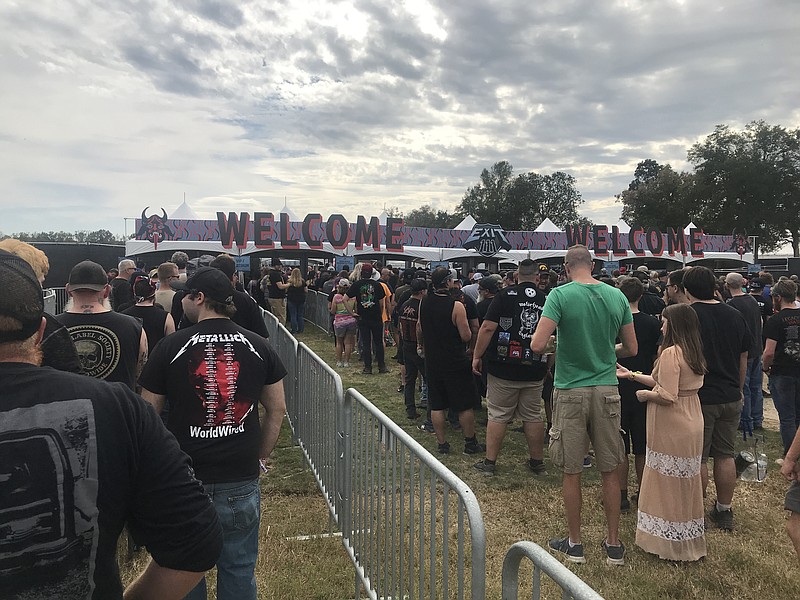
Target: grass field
[756,561]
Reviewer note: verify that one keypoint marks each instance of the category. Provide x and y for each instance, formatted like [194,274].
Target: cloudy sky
[108,107]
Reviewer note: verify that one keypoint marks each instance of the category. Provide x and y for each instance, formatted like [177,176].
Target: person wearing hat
[443,333]
[756,291]
[214,374]
[118,466]
[276,291]
[515,374]
[471,290]
[752,416]
[58,349]
[110,345]
[369,295]
[156,322]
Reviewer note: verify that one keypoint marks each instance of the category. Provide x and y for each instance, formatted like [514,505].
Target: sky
[355,106]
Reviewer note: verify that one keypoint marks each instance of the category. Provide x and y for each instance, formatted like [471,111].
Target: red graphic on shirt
[214,372]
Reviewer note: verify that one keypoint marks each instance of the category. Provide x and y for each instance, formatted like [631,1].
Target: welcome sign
[264,231]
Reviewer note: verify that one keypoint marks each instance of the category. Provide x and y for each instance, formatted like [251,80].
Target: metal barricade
[573,587]
[60,298]
[317,310]
[271,321]
[319,400]
[411,527]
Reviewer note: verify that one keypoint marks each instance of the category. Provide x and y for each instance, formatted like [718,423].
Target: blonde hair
[296,278]
[33,256]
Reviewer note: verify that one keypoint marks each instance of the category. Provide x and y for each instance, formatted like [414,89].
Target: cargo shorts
[581,415]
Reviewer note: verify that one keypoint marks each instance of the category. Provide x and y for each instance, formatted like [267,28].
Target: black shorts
[451,389]
[633,418]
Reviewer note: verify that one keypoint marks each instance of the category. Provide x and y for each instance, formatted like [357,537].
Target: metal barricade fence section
[59,300]
[413,529]
[285,345]
[317,310]
[319,401]
[572,586]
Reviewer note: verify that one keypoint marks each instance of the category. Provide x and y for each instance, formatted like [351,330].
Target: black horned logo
[154,228]
[487,239]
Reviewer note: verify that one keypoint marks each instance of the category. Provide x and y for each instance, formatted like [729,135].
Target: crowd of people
[146,393]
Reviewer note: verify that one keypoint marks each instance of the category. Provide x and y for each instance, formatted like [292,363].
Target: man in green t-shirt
[588,316]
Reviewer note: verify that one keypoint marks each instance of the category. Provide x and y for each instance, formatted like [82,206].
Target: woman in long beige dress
[670,518]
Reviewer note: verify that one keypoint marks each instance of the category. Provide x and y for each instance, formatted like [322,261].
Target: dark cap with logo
[88,275]
[440,275]
[212,282]
[21,300]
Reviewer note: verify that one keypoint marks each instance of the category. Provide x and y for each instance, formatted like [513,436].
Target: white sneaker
[339,363]
[346,365]
[778,461]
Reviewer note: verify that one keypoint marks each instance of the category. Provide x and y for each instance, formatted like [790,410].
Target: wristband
[633,375]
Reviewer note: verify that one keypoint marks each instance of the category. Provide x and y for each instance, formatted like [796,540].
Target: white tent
[467,224]
[623,227]
[293,218]
[382,217]
[184,212]
[689,227]
[547,226]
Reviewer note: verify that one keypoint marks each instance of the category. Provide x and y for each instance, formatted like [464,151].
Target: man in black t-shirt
[753,408]
[111,346]
[79,460]
[515,373]
[121,295]
[782,358]
[214,375]
[369,295]
[276,291]
[726,342]
[633,421]
[413,362]
[756,291]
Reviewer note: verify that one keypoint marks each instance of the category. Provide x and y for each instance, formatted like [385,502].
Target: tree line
[101,236]
[743,182]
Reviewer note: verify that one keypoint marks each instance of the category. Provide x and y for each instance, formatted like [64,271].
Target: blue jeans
[785,391]
[753,408]
[239,509]
[297,313]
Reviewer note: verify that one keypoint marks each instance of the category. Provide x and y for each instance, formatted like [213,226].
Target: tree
[659,197]
[521,202]
[427,216]
[749,181]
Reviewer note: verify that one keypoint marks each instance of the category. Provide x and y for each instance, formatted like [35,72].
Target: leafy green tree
[749,181]
[659,197]
[524,201]
[427,216]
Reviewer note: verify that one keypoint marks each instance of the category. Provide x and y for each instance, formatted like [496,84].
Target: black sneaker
[473,447]
[444,448]
[537,468]
[382,369]
[427,428]
[721,518]
[573,554]
[412,414]
[485,467]
[367,371]
[624,505]
[615,555]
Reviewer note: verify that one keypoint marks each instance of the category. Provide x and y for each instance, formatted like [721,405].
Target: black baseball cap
[21,300]
[440,275]
[88,275]
[212,282]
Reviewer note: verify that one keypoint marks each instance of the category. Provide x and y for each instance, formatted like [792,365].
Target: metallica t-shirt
[212,375]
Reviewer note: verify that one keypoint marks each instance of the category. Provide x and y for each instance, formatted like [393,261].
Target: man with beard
[81,459]
[214,375]
[110,345]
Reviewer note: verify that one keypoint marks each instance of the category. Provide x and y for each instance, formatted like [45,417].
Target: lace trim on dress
[669,530]
[673,466]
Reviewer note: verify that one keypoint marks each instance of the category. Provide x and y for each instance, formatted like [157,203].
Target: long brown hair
[683,330]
